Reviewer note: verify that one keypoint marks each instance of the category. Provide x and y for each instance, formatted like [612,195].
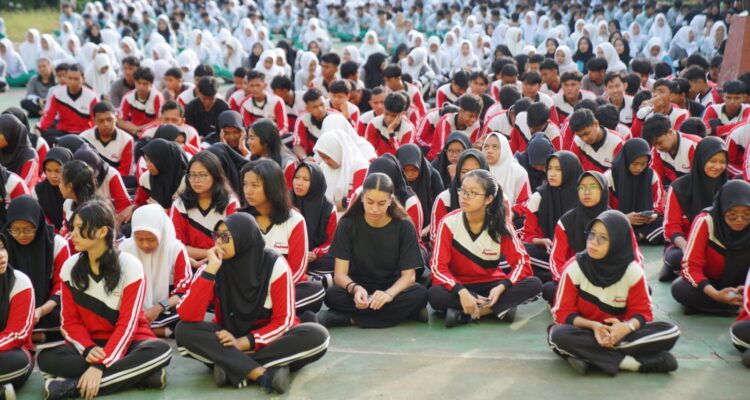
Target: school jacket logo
[489,253]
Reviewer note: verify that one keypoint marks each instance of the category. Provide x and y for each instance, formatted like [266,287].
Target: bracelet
[630,325]
[347,286]
[390,295]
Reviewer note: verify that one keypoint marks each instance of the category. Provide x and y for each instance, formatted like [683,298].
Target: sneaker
[59,388]
[508,315]
[275,379]
[421,315]
[331,319]
[7,392]
[662,361]
[578,365]
[220,376]
[455,317]
[746,358]
[667,274]
[157,379]
[308,316]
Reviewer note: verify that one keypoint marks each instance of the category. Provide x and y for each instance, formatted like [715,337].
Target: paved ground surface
[484,361]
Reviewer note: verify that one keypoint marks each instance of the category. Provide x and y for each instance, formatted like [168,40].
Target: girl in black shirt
[377,251]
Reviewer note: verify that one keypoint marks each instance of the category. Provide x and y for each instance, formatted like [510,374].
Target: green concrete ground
[489,360]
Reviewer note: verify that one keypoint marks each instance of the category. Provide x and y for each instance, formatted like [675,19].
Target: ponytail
[496,218]
[94,215]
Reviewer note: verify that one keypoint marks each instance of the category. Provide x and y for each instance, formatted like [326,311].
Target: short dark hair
[532,78]
[696,59]
[312,94]
[633,84]
[521,106]
[377,90]
[693,126]
[695,73]
[716,61]
[537,115]
[588,104]
[745,78]
[640,66]
[338,86]
[132,61]
[62,67]
[144,73]
[208,86]
[639,98]
[608,116]
[550,65]
[509,95]
[597,64]
[330,58]
[104,106]
[500,63]
[460,79]
[75,67]
[509,70]
[536,59]
[581,119]
[204,70]
[666,83]
[281,82]
[348,69]
[612,75]
[735,87]
[470,102]
[662,70]
[656,125]
[170,105]
[174,72]
[392,71]
[396,102]
[682,85]
[239,72]
[571,76]
[253,74]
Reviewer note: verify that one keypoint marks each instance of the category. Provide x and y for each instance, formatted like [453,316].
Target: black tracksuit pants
[405,304]
[15,366]
[442,299]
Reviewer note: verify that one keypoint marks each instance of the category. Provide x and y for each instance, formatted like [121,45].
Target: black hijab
[36,259]
[374,70]
[441,162]
[584,57]
[7,281]
[242,281]
[610,269]
[171,163]
[314,206]
[577,220]
[537,152]
[695,191]
[18,150]
[633,192]
[71,142]
[232,162]
[556,201]
[50,198]
[411,154]
[169,132]
[456,183]
[93,160]
[736,244]
[388,164]
[21,115]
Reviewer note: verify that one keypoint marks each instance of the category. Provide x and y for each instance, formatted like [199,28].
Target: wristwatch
[164,304]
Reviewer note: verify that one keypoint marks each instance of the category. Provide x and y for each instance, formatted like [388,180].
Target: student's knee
[682,290]
[560,336]
[335,294]
[13,362]
[673,257]
[439,297]
[317,334]
[187,333]
[740,335]
[532,286]
[549,290]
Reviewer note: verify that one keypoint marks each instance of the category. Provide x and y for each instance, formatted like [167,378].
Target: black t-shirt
[205,122]
[376,255]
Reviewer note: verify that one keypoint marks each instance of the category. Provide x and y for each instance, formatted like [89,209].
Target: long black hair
[82,180]
[495,217]
[377,181]
[219,192]
[374,70]
[274,188]
[268,133]
[96,214]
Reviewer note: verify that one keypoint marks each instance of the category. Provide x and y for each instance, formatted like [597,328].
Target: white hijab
[452,50]
[157,265]
[163,51]
[598,36]
[419,58]
[54,52]
[636,41]
[568,64]
[314,32]
[354,54]
[653,42]
[514,41]
[509,174]
[662,32]
[238,54]
[189,60]
[471,61]
[87,55]
[246,34]
[160,68]
[437,55]
[614,64]
[306,59]
[272,72]
[133,49]
[711,44]
[340,147]
[682,40]
[578,32]
[100,82]
[529,26]
[335,121]
[366,49]
[30,51]
[498,34]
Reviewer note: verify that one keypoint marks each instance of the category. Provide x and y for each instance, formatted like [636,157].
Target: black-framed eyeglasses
[469,194]
[591,236]
[223,237]
[22,232]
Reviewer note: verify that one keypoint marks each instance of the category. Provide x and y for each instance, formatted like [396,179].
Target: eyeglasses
[469,194]
[593,237]
[584,188]
[22,232]
[223,237]
[453,152]
[197,177]
[733,216]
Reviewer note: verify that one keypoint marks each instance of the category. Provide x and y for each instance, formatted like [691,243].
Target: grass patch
[17,22]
